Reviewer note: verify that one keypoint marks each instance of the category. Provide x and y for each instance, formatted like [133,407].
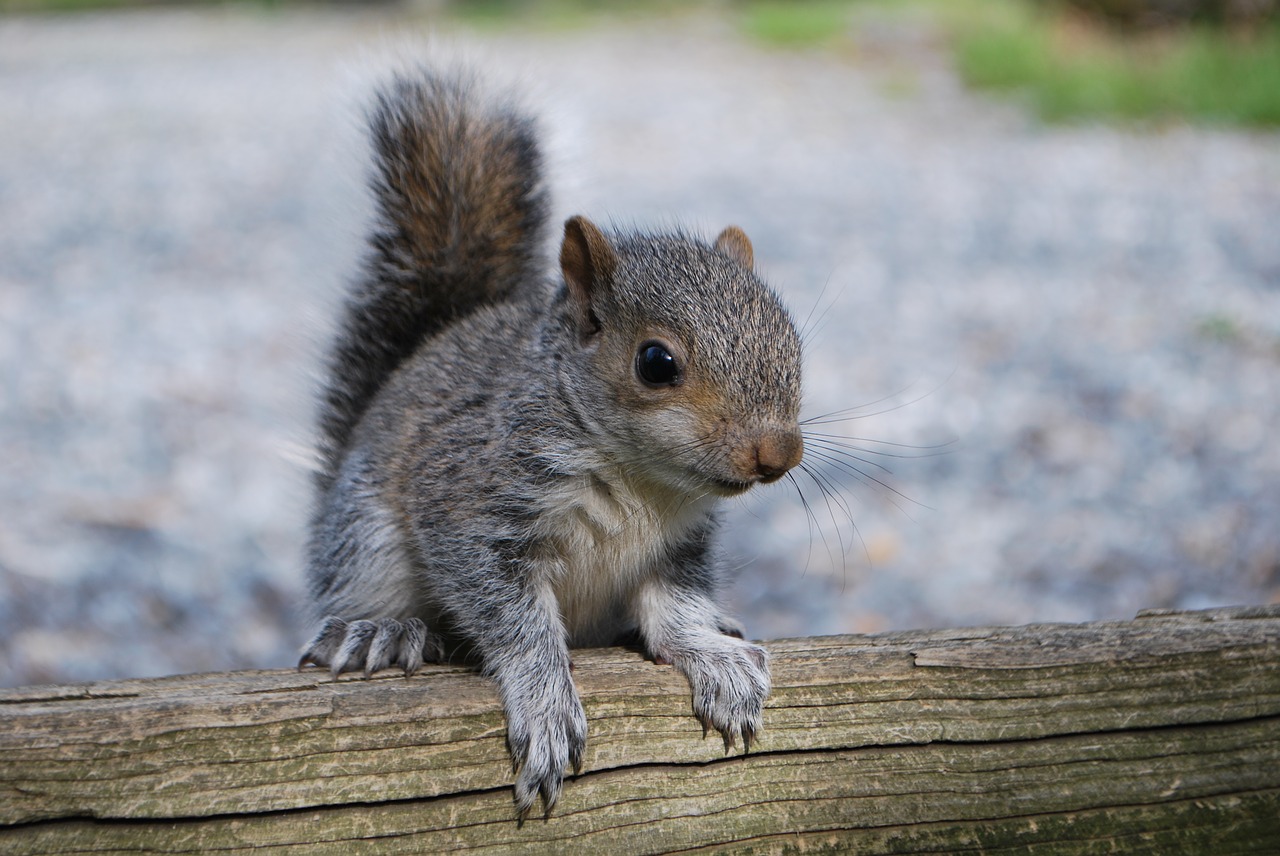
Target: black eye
[656,366]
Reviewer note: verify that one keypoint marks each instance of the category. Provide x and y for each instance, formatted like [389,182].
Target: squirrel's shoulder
[470,380]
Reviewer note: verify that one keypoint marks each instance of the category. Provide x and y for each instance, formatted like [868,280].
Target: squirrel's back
[460,210]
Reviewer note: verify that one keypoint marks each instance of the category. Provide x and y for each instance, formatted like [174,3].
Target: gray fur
[507,487]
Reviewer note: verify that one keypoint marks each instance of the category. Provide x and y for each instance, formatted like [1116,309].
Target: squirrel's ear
[735,244]
[587,261]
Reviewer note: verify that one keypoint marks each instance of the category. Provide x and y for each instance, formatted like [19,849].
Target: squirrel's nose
[776,453]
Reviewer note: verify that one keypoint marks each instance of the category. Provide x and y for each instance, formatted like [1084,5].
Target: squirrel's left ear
[588,261]
[735,244]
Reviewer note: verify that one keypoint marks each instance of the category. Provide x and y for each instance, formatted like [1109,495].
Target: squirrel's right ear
[587,261]
[735,244]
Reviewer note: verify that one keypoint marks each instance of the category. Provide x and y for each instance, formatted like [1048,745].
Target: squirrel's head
[693,350]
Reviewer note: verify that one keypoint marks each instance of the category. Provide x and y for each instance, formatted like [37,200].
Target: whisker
[843,440]
[816,303]
[809,333]
[834,453]
[809,519]
[682,498]
[831,494]
[849,413]
[852,413]
[813,518]
[843,464]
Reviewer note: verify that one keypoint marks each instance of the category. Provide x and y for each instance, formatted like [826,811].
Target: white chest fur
[610,535]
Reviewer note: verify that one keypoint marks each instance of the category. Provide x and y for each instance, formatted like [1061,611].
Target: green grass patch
[1071,68]
[1219,328]
[797,23]
[558,15]
[1065,65]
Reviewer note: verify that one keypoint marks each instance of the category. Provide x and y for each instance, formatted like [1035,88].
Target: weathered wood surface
[1156,735]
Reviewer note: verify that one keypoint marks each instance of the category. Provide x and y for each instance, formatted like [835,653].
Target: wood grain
[1160,734]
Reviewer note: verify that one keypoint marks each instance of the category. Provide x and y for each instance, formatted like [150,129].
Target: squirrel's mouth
[730,487]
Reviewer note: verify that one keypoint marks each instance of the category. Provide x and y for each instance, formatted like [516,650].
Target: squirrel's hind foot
[348,646]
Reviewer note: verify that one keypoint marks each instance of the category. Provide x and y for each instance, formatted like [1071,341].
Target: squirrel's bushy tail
[460,212]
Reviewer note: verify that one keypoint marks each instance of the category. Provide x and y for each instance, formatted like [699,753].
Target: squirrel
[517,460]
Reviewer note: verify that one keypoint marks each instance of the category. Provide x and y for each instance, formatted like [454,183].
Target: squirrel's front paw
[730,682]
[546,734]
[372,645]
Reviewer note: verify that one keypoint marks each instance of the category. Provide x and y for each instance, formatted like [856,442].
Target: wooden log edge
[1160,734]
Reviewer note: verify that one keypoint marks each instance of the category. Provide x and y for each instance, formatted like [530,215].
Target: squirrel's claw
[343,646]
[322,647]
[354,648]
[384,647]
[547,789]
[412,645]
[731,627]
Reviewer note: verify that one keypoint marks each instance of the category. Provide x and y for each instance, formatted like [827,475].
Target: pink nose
[776,453]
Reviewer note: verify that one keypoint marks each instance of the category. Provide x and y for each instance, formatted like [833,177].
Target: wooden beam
[1160,734]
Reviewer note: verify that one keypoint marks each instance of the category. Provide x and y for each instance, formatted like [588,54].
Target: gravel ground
[1074,332]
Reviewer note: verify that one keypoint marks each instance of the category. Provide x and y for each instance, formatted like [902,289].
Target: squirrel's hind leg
[345,646]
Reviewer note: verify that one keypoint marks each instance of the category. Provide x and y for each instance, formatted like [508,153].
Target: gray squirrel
[516,460]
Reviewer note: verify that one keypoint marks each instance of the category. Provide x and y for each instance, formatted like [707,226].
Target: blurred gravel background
[1089,317]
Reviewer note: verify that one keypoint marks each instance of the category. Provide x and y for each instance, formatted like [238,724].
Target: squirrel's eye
[656,366]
